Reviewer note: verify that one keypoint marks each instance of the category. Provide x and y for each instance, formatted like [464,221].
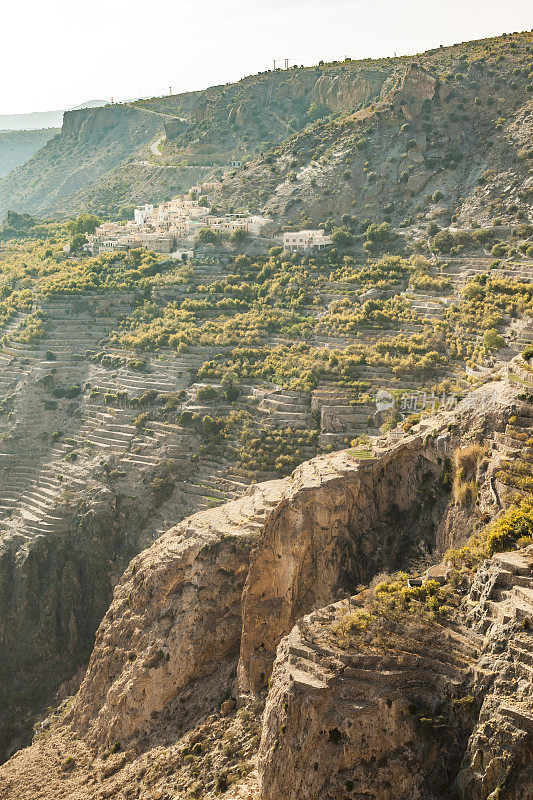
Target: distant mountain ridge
[39,120]
[99,159]
[16,147]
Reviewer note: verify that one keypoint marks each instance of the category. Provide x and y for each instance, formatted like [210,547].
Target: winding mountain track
[154,147]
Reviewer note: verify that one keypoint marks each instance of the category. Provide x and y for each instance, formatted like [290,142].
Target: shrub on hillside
[527,353]
[442,242]
[503,534]
[341,238]
[492,340]
[466,462]
[206,393]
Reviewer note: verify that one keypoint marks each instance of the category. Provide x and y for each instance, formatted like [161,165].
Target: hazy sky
[59,53]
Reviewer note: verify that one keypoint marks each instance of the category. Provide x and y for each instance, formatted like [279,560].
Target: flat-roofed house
[260,226]
[204,188]
[159,243]
[143,214]
[306,240]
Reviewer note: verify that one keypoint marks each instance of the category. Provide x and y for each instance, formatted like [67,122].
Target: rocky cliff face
[404,709]
[356,724]
[224,586]
[66,537]
[415,88]
[213,127]
[448,714]
[337,527]
[55,588]
[91,143]
[498,760]
[53,594]
[428,132]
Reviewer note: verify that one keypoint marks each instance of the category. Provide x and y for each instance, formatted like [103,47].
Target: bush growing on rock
[501,535]
[466,462]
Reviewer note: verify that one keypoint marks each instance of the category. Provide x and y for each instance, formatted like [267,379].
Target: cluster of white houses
[164,227]
[160,228]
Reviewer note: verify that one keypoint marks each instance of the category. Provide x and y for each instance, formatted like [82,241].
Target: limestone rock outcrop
[225,585]
[348,724]
[415,87]
[450,716]
[252,603]
[340,92]
[175,621]
[340,523]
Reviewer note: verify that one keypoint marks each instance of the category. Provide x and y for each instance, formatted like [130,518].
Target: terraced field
[80,410]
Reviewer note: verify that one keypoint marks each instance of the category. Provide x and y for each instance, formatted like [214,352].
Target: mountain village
[174,226]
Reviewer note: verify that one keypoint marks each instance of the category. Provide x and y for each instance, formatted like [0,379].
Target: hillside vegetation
[449,141]
[16,147]
[136,389]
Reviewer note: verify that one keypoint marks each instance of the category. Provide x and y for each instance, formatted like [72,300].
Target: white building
[143,214]
[159,227]
[306,240]
[260,226]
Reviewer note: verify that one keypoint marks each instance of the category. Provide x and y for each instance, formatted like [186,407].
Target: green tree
[208,236]
[341,238]
[77,242]
[230,386]
[126,212]
[238,237]
[378,232]
[492,340]
[85,223]
[442,242]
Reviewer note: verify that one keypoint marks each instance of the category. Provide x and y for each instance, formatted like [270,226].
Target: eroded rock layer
[265,601]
